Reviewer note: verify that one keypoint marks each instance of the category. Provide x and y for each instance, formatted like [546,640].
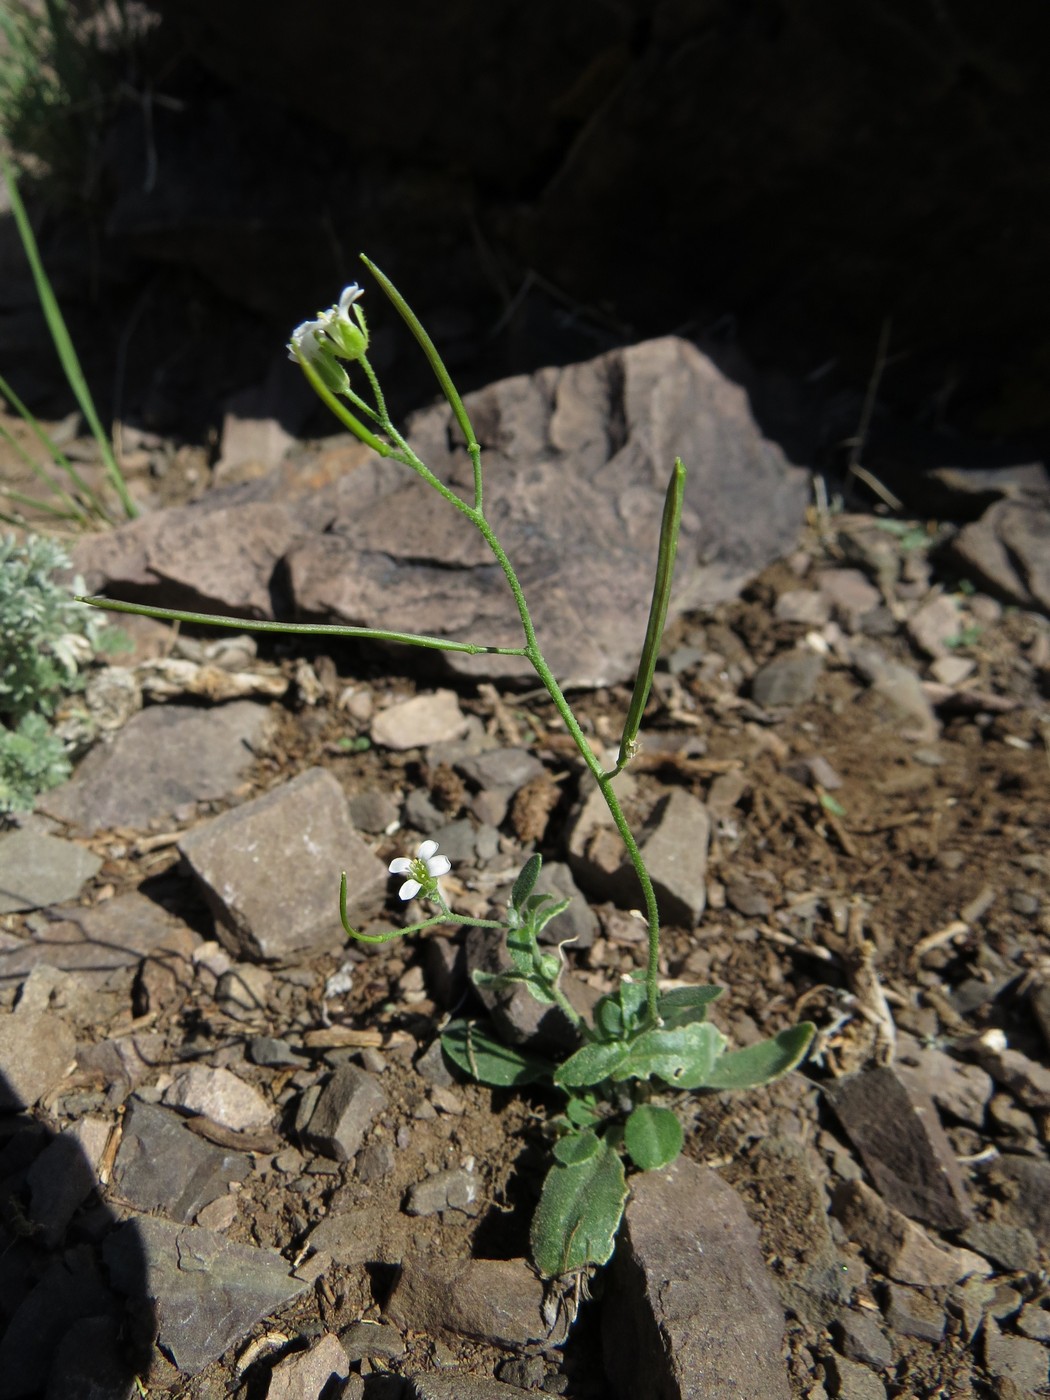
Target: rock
[501,768]
[896,1245]
[207,1292]
[37,870]
[558,477]
[372,811]
[273,1053]
[1025,1184]
[220,1096]
[375,1161]
[912,1315]
[578,923]
[370,1339]
[952,670]
[164,757]
[1017,1359]
[37,1050]
[344,1111]
[851,595]
[803,605]
[1006,551]
[850,1381]
[1034,1321]
[1010,1246]
[270,869]
[745,897]
[674,847]
[305,1374]
[162,1166]
[365,1235]
[518,1017]
[454,1189]
[423,720]
[1039,1000]
[859,1337]
[961,1089]
[243,990]
[895,1128]
[933,625]
[494,1300]
[92,1362]
[787,680]
[1027,1080]
[690,1308]
[896,696]
[439,1385]
[63,1177]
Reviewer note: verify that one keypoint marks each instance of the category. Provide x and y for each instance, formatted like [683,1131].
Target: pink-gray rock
[161,1166]
[896,1245]
[164,757]
[453,1189]
[342,1113]
[789,679]
[207,1292]
[848,1380]
[36,1052]
[495,1300]
[220,1096]
[457,1385]
[1008,550]
[690,1309]
[956,1087]
[1016,1359]
[37,870]
[422,720]
[894,1126]
[934,624]
[305,1374]
[270,869]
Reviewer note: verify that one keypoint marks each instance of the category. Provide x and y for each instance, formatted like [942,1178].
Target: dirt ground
[934,851]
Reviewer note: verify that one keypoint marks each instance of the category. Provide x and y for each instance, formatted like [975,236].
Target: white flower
[306,340]
[423,870]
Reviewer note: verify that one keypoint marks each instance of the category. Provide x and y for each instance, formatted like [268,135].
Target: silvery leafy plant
[642,1047]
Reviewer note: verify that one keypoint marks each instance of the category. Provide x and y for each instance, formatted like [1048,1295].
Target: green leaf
[579,1212]
[526,881]
[474,1050]
[761,1063]
[575,1148]
[684,1005]
[590,1064]
[617,1014]
[581,1111]
[652,1136]
[683,1058]
[540,911]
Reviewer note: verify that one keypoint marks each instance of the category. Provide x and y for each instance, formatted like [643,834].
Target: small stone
[220,1096]
[372,811]
[218,1215]
[787,680]
[501,768]
[851,595]
[952,670]
[896,1245]
[1026,1079]
[896,696]
[305,1374]
[1018,1359]
[416,723]
[959,1088]
[447,1101]
[912,1314]
[162,1166]
[578,923]
[746,898]
[933,625]
[494,1300]
[342,1113]
[63,1177]
[1024,1182]
[363,1339]
[375,1161]
[803,605]
[37,1050]
[895,1128]
[443,1385]
[37,870]
[859,1337]
[724,794]
[1010,1246]
[1034,1321]
[454,1189]
[850,1381]
[272,1053]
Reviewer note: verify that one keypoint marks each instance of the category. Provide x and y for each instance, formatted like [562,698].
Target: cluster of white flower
[423,871]
[331,337]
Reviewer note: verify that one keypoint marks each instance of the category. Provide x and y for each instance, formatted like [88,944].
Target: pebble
[37,1050]
[787,680]
[425,719]
[305,1374]
[911,1314]
[1034,1321]
[896,1245]
[375,1161]
[850,594]
[338,1118]
[803,605]
[851,1381]
[220,1096]
[934,624]
[1018,1359]
[242,992]
[494,1300]
[1010,1246]
[162,1166]
[37,870]
[859,1337]
[453,1189]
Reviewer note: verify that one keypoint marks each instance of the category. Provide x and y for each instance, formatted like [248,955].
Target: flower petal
[401,866]
[427,849]
[349,296]
[409,889]
[438,865]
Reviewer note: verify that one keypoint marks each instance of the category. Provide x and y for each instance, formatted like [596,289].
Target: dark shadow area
[75,1315]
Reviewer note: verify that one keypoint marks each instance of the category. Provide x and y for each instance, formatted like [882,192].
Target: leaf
[616,1015]
[684,1005]
[761,1063]
[591,1064]
[524,884]
[581,1111]
[475,1051]
[683,1057]
[575,1148]
[501,981]
[652,1136]
[578,1214]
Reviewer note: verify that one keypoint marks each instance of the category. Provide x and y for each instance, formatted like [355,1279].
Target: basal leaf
[761,1063]
[652,1136]
[683,1005]
[581,1111]
[591,1064]
[682,1057]
[579,1212]
[476,1051]
[575,1148]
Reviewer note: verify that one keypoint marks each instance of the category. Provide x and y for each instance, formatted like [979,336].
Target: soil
[915,834]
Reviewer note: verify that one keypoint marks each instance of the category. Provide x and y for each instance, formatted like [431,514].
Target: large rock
[690,1309]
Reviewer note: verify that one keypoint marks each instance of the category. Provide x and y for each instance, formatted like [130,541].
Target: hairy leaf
[526,881]
[652,1136]
[574,1148]
[683,1005]
[761,1063]
[682,1057]
[475,1050]
[591,1064]
[579,1212]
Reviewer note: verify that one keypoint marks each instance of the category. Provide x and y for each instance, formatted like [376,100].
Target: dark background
[781,180]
